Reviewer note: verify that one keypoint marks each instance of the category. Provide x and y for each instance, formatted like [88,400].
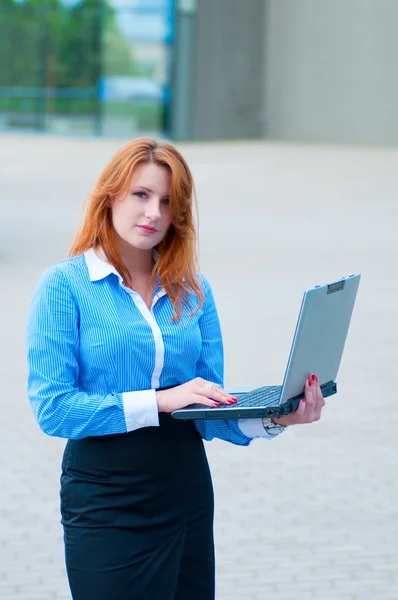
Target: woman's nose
[153,210]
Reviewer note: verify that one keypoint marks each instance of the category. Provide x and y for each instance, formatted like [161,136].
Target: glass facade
[86,66]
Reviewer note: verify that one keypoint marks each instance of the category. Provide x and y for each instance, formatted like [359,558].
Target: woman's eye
[166,201]
[141,194]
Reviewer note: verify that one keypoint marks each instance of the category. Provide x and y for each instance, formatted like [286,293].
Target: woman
[110,331]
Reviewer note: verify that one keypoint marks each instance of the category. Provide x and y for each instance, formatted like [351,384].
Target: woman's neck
[138,262]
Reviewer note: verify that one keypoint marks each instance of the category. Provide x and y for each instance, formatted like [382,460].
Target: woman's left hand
[310,407]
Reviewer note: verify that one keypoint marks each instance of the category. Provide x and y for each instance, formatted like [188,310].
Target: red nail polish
[233,398]
[216,404]
[231,401]
[304,400]
[309,382]
[313,377]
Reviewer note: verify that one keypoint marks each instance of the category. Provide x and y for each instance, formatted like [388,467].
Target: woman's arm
[61,408]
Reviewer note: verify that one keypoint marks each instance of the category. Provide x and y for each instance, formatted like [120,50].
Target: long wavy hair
[176,266]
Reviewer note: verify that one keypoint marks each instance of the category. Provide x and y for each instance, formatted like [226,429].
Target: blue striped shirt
[96,353]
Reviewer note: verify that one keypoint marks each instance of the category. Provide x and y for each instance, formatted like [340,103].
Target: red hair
[177,262]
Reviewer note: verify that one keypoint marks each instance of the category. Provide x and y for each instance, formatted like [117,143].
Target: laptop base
[242,411]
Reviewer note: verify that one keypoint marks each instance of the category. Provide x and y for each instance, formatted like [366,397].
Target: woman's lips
[147,229]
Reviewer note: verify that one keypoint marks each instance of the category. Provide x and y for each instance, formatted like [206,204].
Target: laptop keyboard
[262,396]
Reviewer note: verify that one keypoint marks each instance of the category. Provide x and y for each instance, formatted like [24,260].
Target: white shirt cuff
[140,409]
[253,428]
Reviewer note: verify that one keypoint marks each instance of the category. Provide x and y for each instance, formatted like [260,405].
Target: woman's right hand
[196,391]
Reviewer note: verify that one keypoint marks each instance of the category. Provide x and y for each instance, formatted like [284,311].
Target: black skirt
[137,511]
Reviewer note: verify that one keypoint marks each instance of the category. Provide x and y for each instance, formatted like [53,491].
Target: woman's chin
[143,244]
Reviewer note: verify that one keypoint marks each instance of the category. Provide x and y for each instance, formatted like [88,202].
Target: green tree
[45,43]
[21,38]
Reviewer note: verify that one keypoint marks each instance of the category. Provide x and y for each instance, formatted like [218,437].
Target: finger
[218,388]
[215,393]
[320,402]
[221,390]
[316,387]
[312,386]
[303,413]
[310,401]
[317,398]
[300,409]
[308,395]
[321,399]
[218,396]
[206,401]
[293,418]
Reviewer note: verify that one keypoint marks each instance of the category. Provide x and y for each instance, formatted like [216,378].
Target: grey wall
[331,70]
[228,87]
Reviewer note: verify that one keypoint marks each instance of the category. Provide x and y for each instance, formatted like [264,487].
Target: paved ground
[312,514]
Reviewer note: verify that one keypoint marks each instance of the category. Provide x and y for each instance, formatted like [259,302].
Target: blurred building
[305,70]
[300,70]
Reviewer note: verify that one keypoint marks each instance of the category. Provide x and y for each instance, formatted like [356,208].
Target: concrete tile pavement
[312,514]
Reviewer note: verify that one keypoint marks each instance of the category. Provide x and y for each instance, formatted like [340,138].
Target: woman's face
[143,216]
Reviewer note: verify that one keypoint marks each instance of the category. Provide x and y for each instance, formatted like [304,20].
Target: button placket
[149,317]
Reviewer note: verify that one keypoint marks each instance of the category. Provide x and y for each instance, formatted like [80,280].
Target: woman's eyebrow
[144,188]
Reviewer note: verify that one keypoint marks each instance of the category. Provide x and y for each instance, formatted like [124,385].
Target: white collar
[97,267]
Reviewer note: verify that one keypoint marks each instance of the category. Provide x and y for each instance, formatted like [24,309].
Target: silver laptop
[318,345]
